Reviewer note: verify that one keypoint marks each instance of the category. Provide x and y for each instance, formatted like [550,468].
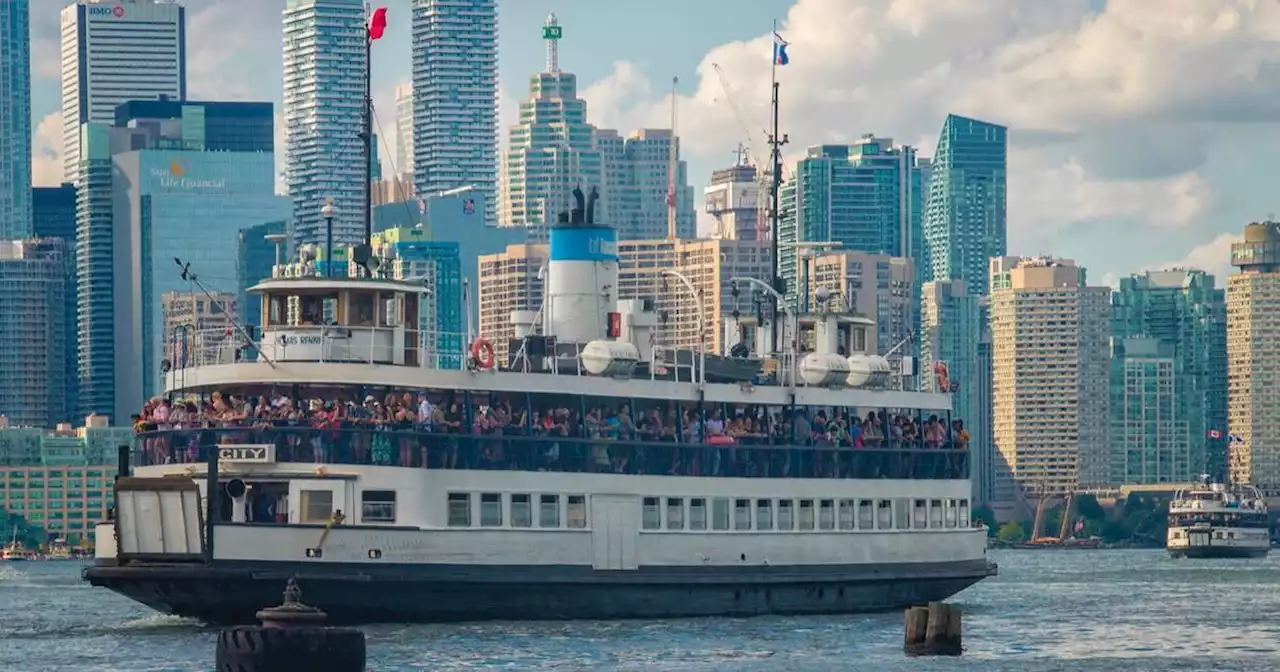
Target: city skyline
[1165,181]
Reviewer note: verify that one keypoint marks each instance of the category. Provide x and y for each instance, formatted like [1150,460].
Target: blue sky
[1142,131]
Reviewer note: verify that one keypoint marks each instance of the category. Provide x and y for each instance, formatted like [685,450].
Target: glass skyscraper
[33,314]
[1169,363]
[324,91]
[15,120]
[211,126]
[965,215]
[455,97]
[436,265]
[54,216]
[866,196]
[255,256]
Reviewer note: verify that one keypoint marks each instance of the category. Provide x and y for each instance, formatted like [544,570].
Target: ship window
[964,512]
[577,511]
[459,509]
[951,512]
[846,515]
[378,506]
[935,513]
[742,514]
[317,506]
[521,511]
[806,514]
[490,510]
[361,310]
[764,514]
[651,519]
[919,519]
[549,511]
[675,513]
[866,516]
[720,514]
[786,515]
[827,513]
[884,514]
[697,514]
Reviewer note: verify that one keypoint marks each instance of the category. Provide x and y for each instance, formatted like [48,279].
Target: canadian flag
[1215,434]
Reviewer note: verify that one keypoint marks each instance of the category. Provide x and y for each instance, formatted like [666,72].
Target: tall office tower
[114,51]
[733,200]
[1185,314]
[1253,358]
[33,315]
[154,190]
[324,92]
[1049,341]
[879,286]
[455,97]
[15,120]
[551,151]
[951,322]
[867,196]
[54,216]
[965,215]
[404,133]
[637,176]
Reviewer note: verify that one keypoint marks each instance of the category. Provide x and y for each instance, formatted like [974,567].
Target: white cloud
[46,151]
[1113,114]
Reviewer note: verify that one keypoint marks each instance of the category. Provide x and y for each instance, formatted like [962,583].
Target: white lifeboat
[824,369]
[868,371]
[615,359]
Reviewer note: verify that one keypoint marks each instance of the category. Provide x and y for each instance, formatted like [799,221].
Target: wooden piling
[934,630]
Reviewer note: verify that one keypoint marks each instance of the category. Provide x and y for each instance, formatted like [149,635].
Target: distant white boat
[1213,520]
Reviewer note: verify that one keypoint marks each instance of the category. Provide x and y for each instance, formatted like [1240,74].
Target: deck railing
[384,445]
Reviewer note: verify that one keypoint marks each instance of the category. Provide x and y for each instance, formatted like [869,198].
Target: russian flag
[780,50]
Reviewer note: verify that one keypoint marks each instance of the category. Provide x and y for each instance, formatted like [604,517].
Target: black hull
[1219,552]
[230,593]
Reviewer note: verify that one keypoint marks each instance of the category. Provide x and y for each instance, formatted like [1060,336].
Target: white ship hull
[609,567]
[1218,542]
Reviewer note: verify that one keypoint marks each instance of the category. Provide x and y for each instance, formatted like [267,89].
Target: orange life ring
[943,376]
[482,351]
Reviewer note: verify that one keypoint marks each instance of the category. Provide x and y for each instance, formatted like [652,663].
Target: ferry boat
[404,475]
[14,551]
[1212,520]
[58,550]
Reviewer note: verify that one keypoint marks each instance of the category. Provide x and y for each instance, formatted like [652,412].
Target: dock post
[935,630]
[292,638]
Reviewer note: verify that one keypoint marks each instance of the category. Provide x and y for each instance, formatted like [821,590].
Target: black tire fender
[256,649]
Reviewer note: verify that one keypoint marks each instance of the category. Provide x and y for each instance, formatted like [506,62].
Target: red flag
[378,24]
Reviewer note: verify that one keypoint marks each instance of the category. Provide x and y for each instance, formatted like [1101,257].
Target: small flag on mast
[780,50]
[378,24]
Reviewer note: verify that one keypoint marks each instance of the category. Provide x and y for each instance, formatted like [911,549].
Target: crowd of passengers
[416,430]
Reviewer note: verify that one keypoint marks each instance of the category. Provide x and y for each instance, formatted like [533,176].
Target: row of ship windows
[701,513]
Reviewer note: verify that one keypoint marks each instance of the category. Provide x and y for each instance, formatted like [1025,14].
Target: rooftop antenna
[552,32]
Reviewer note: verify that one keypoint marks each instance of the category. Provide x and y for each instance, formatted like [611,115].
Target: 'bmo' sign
[105,12]
[264,453]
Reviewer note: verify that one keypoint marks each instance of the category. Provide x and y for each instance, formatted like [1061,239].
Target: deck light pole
[702,320]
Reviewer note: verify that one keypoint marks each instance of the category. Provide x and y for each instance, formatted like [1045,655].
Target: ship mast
[776,142]
[672,215]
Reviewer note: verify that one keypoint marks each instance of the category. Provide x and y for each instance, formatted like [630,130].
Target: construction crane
[672,213]
[763,174]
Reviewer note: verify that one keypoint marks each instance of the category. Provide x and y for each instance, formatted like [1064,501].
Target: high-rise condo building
[54,216]
[868,196]
[1168,378]
[965,215]
[404,133]
[879,286]
[33,317]
[455,97]
[324,93]
[114,51]
[733,201]
[637,176]
[952,321]
[15,120]
[1049,354]
[1253,358]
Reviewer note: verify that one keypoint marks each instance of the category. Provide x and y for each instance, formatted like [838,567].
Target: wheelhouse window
[549,511]
[378,506]
[459,509]
[521,511]
[697,513]
[490,510]
[317,506]
[806,514]
[764,514]
[675,513]
[742,514]
[650,516]
[720,513]
[577,511]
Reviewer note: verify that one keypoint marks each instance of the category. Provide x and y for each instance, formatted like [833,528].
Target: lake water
[1130,610]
